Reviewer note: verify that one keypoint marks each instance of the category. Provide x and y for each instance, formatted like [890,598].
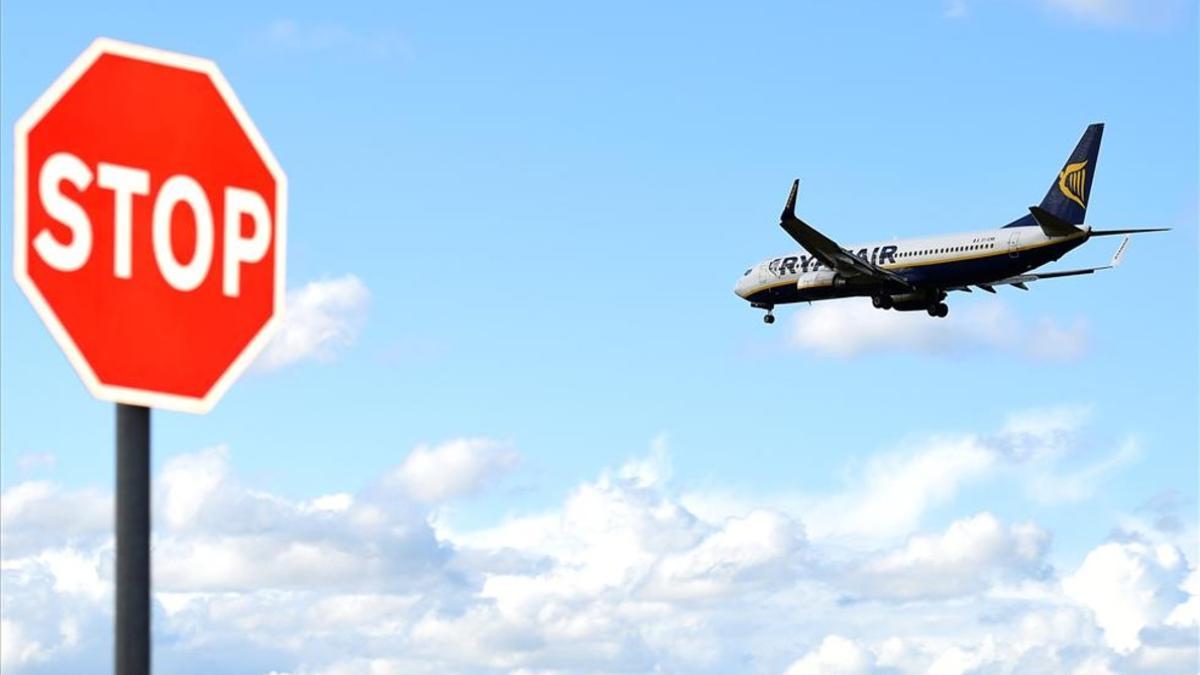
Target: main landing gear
[769,318]
[940,310]
[882,301]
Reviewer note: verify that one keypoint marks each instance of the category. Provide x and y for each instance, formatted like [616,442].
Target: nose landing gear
[769,317]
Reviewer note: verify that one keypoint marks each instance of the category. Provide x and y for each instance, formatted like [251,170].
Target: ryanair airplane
[916,274]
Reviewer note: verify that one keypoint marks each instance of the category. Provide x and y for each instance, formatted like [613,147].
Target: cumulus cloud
[971,555]
[836,655]
[452,469]
[1129,586]
[853,328]
[620,575]
[322,318]
[37,514]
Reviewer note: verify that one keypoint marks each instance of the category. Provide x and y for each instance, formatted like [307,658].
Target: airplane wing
[826,250]
[1021,279]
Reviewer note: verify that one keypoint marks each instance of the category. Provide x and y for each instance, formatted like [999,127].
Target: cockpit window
[747,271]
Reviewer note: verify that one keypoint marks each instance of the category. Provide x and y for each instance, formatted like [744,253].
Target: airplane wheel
[770,318]
[932,310]
[942,309]
[877,301]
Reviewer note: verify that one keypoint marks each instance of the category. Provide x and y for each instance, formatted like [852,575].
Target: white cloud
[1129,586]
[758,548]
[852,328]
[1187,613]
[37,514]
[972,555]
[187,482]
[836,655]
[887,495]
[619,576]
[16,648]
[452,469]
[895,490]
[1042,434]
[1082,483]
[321,318]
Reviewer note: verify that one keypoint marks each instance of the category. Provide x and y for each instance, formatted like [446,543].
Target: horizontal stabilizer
[1021,279]
[1109,233]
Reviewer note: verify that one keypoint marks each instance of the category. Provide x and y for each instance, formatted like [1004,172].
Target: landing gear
[939,310]
[881,301]
[769,318]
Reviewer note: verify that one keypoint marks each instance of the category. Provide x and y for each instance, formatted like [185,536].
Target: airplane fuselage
[928,264]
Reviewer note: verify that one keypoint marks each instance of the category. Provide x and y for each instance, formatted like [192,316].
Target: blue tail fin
[1067,199]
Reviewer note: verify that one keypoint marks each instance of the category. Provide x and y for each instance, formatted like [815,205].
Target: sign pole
[132,644]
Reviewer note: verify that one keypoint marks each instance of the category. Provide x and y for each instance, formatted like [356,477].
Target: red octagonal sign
[150,225]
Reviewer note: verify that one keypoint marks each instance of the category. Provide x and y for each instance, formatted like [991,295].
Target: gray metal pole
[132,647]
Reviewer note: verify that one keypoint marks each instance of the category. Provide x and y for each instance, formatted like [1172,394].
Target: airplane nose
[739,289]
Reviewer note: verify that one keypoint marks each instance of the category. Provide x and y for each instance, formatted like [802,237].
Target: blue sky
[522,225]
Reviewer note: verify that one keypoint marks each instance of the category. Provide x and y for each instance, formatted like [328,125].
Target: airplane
[918,274]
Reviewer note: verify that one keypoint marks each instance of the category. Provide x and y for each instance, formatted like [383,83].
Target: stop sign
[150,222]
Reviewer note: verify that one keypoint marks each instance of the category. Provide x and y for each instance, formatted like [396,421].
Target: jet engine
[915,302]
[820,279]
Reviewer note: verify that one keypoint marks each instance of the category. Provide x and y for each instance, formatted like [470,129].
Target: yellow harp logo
[1071,182]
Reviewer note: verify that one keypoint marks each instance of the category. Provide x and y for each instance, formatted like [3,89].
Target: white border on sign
[21,226]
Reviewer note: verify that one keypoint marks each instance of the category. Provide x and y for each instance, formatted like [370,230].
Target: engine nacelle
[820,279]
[913,302]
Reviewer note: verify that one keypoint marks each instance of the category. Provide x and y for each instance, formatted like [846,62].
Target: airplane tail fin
[1067,199]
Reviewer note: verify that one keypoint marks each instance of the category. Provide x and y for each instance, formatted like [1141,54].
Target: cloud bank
[623,574]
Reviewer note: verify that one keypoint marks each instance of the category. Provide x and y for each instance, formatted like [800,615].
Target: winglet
[789,209]
[1120,254]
